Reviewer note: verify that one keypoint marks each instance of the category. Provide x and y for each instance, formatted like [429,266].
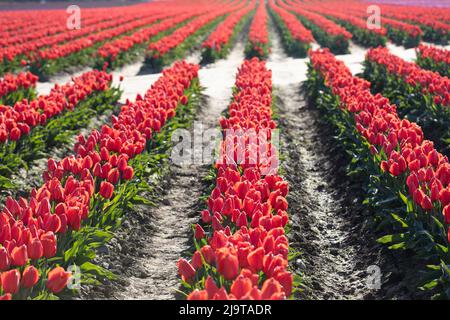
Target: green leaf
[430,285]
[400,220]
[401,245]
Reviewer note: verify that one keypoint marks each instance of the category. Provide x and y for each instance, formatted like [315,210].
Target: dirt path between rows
[146,249]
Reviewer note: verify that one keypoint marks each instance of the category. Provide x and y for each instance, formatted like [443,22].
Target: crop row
[421,95]
[17,87]
[29,128]
[434,59]
[296,38]
[258,37]
[218,44]
[71,41]
[327,33]
[242,250]
[408,179]
[161,52]
[83,197]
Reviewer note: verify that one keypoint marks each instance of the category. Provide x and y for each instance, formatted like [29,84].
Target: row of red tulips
[421,95]
[68,41]
[362,34]
[434,29]
[29,47]
[159,49]
[406,166]
[242,250]
[434,59]
[113,53]
[46,31]
[426,82]
[296,38]
[400,32]
[18,120]
[41,232]
[17,87]
[326,32]
[25,26]
[258,36]
[326,25]
[51,60]
[220,40]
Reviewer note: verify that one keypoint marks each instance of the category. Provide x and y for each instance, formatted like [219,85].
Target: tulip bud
[185,269]
[199,232]
[19,256]
[30,277]
[48,241]
[206,217]
[198,295]
[241,287]
[227,264]
[106,190]
[57,279]
[197,260]
[10,281]
[35,249]
[4,259]
[128,173]
[113,176]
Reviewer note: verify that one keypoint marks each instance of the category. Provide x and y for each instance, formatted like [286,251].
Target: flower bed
[242,250]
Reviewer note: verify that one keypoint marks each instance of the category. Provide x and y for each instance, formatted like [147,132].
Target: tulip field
[224,150]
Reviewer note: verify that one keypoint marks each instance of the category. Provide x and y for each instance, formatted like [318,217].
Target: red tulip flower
[57,279]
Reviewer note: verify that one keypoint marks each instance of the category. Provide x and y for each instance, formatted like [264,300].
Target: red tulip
[4,259]
[128,173]
[30,277]
[208,254]
[106,190]
[113,176]
[186,270]
[255,259]
[199,232]
[211,287]
[227,264]
[198,295]
[19,256]
[10,281]
[48,241]
[57,279]
[35,249]
[241,287]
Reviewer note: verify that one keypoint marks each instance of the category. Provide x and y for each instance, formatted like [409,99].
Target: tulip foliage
[66,219]
[421,95]
[258,37]
[434,59]
[296,38]
[220,41]
[29,129]
[409,181]
[242,249]
[14,88]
